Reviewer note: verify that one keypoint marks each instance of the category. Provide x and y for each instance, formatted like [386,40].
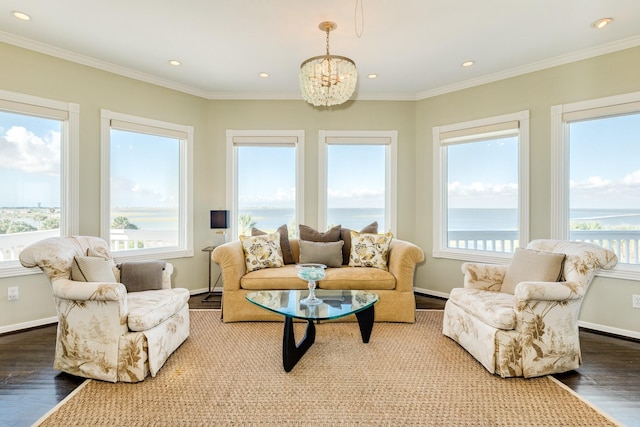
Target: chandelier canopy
[327,80]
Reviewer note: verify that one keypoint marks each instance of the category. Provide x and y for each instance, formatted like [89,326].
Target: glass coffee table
[335,304]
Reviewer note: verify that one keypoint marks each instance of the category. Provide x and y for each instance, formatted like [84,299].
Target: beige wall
[608,301]
[36,74]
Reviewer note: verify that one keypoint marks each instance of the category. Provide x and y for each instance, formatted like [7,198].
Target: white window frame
[265,138]
[440,190]
[360,137]
[561,116]
[69,114]
[161,128]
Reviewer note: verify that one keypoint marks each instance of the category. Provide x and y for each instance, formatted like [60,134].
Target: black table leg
[292,352]
[365,321]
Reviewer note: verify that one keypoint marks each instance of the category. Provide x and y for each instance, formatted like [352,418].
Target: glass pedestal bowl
[311,273]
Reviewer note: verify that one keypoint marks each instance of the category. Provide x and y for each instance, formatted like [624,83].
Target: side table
[208,250]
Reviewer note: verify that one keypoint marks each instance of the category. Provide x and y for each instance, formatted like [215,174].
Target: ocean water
[459,219]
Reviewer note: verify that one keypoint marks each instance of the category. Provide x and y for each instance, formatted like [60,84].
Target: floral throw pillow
[262,251]
[370,250]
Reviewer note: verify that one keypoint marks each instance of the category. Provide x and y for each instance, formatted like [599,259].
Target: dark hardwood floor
[30,387]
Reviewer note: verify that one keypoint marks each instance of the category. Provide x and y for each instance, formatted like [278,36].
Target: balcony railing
[12,244]
[624,243]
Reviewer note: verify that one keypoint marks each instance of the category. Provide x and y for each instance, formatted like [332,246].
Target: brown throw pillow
[345,235]
[327,253]
[313,235]
[285,246]
[528,265]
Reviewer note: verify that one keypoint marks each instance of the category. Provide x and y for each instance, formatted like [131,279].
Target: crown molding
[97,63]
[534,66]
[222,95]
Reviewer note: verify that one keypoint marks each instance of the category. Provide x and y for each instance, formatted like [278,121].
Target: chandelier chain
[355,18]
[327,30]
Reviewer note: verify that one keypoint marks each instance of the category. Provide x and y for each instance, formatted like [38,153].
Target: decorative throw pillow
[92,269]
[139,276]
[313,235]
[532,266]
[370,250]
[345,235]
[327,253]
[262,251]
[285,246]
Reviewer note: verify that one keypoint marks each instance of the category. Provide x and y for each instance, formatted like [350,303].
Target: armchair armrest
[230,259]
[403,258]
[88,291]
[486,277]
[546,291]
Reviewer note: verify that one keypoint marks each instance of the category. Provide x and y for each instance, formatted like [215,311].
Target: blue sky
[606,170]
[265,181]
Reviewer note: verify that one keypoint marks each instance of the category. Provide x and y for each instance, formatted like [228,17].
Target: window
[357,179]
[596,182]
[481,187]
[39,169]
[265,170]
[146,187]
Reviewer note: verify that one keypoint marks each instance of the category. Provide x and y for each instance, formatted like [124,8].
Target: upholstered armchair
[105,331]
[521,320]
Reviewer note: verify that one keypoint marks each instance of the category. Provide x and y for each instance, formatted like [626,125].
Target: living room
[607,306]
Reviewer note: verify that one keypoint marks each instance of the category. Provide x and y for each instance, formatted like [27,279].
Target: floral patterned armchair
[105,332]
[532,331]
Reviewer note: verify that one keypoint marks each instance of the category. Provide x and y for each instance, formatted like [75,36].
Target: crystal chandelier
[327,79]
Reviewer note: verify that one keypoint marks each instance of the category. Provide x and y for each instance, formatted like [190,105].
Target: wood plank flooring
[29,386]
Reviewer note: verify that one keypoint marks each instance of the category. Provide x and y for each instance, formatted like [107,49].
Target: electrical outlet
[635,302]
[13,293]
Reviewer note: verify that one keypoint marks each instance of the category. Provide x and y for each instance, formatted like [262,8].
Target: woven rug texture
[407,375]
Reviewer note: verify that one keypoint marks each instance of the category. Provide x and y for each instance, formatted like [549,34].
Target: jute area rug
[408,374]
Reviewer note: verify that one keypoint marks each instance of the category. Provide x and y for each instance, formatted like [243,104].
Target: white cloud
[23,150]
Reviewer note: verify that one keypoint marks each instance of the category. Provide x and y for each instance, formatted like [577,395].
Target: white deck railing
[625,243]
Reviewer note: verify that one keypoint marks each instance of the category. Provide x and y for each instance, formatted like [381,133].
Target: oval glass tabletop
[335,304]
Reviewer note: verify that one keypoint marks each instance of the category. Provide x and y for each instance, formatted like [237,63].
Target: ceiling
[415,46]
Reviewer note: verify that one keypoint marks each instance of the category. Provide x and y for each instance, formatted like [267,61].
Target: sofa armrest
[230,259]
[486,277]
[403,258]
[547,291]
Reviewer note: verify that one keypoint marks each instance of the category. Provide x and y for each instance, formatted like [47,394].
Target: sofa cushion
[370,250]
[262,251]
[285,245]
[327,253]
[493,308]
[363,278]
[148,309]
[345,235]
[336,278]
[532,266]
[313,235]
[273,278]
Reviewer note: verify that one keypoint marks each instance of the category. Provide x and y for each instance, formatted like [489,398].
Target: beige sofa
[394,287]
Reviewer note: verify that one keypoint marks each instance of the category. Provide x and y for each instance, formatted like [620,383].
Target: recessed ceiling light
[175,62]
[21,15]
[601,23]
[264,75]
[372,76]
[468,63]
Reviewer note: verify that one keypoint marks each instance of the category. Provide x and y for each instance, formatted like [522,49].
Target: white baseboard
[587,325]
[27,325]
[609,329]
[422,291]
[217,290]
